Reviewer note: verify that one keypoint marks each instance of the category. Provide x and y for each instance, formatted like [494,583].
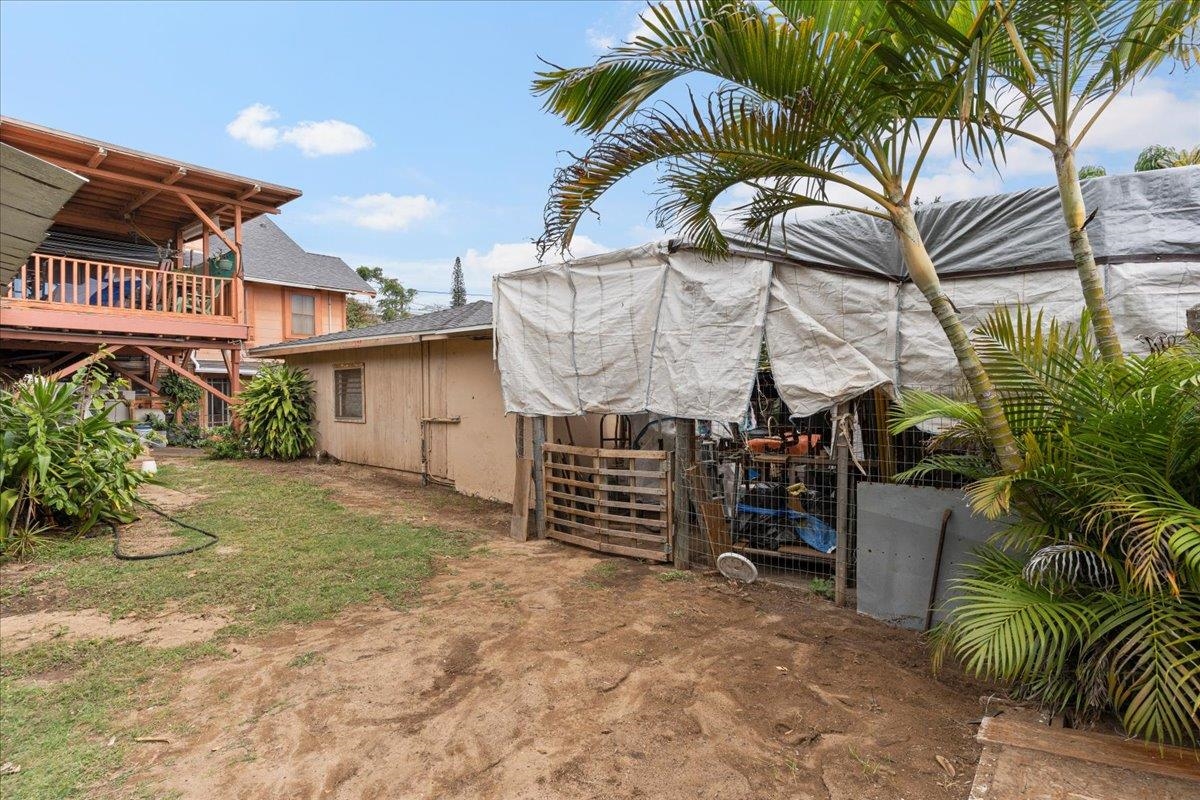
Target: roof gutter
[291,285]
[379,340]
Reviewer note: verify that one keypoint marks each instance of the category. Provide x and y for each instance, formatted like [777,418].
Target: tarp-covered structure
[661,329]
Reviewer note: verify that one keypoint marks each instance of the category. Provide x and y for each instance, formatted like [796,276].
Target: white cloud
[383,211]
[600,41]
[250,127]
[326,138]
[331,137]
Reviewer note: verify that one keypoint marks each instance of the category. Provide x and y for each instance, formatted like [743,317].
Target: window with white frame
[304,314]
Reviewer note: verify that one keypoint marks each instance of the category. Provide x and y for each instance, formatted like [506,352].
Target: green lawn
[289,554]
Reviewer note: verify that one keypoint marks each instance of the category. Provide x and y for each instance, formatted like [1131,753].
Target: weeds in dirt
[821,587]
[309,659]
[676,575]
[301,557]
[601,575]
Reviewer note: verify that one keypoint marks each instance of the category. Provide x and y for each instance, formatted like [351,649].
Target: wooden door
[435,421]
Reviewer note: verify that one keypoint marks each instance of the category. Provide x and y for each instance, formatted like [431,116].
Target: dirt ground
[540,670]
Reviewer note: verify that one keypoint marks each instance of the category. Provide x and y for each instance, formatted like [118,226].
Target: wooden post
[519,528]
[685,454]
[842,454]
[539,476]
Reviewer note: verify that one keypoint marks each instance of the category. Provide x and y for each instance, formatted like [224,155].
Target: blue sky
[409,127]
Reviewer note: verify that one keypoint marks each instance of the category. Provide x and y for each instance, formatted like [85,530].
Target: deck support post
[841,448]
[539,476]
[685,454]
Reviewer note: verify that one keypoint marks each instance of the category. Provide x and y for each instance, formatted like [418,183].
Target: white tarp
[660,329]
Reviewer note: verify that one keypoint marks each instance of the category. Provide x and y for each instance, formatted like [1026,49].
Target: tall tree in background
[458,286]
[1052,75]
[813,104]
[392,300]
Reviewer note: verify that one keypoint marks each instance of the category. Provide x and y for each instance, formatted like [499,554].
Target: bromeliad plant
[277,410]
[65,464]
[1089,602]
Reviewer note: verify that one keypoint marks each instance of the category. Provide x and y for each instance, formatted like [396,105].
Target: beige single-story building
[420,395]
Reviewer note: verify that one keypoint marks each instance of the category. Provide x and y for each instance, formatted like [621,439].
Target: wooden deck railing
[71,282]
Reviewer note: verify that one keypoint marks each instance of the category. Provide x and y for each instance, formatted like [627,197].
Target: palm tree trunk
[1075,213]
[921,269]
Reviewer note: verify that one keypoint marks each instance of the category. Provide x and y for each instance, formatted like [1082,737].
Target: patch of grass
[676,575]
[60,702]
[821,587]
[309,659]
[300,556]
[601,575]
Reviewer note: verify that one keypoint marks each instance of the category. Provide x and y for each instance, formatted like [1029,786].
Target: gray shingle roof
[472,315]
[271,256]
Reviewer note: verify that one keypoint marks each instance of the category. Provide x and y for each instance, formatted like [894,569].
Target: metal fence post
[842,455]
[685,448]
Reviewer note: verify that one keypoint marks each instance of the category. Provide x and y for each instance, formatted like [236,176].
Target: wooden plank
[189,376]
[605,547]
[650,522]
[597,452]
[787,550]
[1171,762]
[213,227]
[520,513]
[684,455]
[661,506]
[555,520]
[608,488]
[539,475]
[712,516]
[842,520]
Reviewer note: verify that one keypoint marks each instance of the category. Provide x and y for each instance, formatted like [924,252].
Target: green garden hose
[212,539]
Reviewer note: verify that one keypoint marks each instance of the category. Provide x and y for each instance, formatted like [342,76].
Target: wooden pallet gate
[612,501]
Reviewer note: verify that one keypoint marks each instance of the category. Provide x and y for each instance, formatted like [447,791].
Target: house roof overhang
[385,340]
[131,192]
[32,191]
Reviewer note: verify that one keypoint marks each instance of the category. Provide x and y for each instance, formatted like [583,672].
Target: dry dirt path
[538,670]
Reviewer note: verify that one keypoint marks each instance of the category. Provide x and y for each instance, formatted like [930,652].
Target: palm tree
[1055,73]
[814,104]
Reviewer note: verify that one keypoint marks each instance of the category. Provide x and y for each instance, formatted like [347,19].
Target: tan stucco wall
[402,385]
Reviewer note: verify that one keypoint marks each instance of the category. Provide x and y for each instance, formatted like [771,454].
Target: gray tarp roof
[31,192]
[661,329]
[1140,216]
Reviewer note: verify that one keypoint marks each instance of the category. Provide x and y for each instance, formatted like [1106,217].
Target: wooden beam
[539,476]
[134,378]
[212,226]
[146,183]
[178,370]
[83,362]
[150,194]
[842,499]
[246,195]
[97,157]
[59,337]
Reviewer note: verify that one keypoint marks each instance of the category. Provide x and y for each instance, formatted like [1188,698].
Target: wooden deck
[61,293]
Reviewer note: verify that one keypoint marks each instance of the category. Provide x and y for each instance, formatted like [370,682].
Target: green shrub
[178,393]
[224,442]
[185,434]
[277,410]
[822,587]
[65,464]
[1090,602]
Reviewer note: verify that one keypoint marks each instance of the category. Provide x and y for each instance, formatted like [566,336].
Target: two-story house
[290,294]
[107,250]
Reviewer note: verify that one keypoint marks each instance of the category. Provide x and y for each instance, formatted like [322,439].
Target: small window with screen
[348,395]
